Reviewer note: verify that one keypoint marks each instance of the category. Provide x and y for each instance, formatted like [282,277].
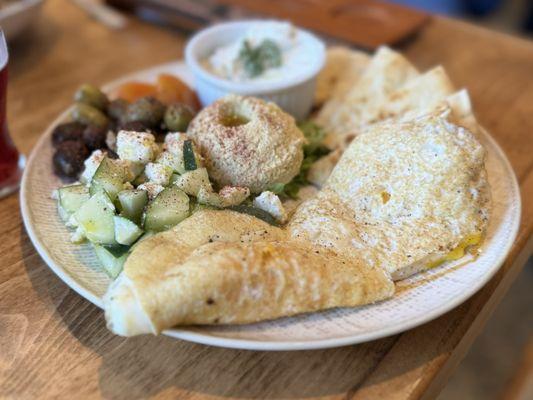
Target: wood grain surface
[54,344]
[366,23]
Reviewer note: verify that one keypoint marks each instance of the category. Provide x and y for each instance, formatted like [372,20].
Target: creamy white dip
[296,54]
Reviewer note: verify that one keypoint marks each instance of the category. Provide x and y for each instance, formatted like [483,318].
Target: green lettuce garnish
[313,150]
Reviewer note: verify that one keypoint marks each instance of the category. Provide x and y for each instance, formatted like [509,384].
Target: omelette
[404,197]
[222,267]
[404,190]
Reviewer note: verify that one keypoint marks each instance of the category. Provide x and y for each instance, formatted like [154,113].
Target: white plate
[418,299]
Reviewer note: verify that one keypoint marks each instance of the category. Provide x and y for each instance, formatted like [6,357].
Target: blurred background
[512,16]
[501,359]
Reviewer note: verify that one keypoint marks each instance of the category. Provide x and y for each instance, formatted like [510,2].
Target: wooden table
[53,343]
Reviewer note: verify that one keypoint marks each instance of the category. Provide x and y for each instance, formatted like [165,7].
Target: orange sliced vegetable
[131,91]
[171,89]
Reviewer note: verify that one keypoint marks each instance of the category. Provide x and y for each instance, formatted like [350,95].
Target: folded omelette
[222,267]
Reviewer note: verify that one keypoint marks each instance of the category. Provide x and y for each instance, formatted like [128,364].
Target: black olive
[116,109]
[135,126]
[69,157]
[67,131]
[94,137]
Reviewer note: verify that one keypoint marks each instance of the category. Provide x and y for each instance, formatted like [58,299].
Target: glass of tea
[11,161]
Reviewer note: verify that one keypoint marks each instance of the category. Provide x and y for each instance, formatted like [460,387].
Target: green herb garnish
[313,150]
[256,60]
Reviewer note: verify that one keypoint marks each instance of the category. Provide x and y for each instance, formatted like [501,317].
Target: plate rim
[261,345]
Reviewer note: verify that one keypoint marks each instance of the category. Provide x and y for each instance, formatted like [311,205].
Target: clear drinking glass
[11,161]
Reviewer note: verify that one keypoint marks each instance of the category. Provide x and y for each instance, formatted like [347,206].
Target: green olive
[177,117]
[147,110]
[92,96]
[88,115]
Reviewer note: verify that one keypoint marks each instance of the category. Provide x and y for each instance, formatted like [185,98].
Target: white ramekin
[294,95]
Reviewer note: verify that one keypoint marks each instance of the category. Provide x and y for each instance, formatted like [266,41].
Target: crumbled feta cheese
[269,202]
[153,189]
[158,173]
[174,143]
[91,165]
[138,147]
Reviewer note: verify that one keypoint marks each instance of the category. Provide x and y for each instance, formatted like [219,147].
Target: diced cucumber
[72,197]
[132,204]
[95,216]
[109,178]
[189,158]
[112,258]
[126,232]
[170,207]
[192,181]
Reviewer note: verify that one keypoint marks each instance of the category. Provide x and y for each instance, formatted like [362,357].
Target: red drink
[9,156]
